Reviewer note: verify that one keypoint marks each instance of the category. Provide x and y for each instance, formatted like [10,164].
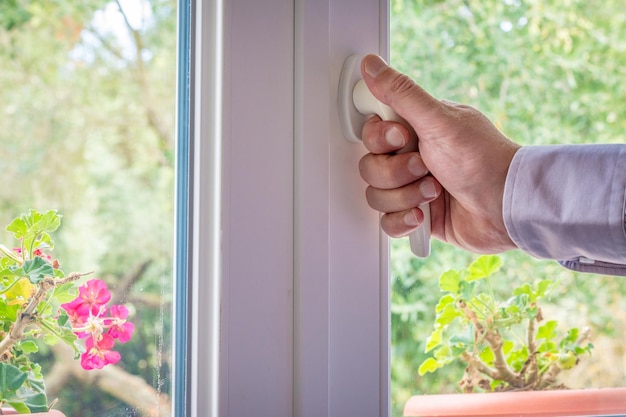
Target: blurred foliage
[545,72]
[87,110]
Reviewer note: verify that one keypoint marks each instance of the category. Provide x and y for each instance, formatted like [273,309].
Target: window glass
[544,72]
[87,111]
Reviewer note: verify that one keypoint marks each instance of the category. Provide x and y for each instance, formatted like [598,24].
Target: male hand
[460,169]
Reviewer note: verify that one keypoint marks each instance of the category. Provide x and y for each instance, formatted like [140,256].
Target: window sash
[282,272]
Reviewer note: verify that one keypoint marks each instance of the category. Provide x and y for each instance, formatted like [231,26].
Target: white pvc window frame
[282,295]
[283,270]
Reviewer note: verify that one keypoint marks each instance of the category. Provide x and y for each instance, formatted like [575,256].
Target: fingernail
[394,137]
[416,166]
[374,65]
[410,219]
[427,188]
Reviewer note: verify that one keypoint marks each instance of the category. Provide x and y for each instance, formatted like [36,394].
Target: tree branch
[123,286]
[164,135]
[131,389]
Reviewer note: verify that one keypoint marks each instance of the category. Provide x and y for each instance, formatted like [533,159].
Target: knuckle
[377,170]
[402,85]
[373,137]
[363,166]
[370,194]
[391,226]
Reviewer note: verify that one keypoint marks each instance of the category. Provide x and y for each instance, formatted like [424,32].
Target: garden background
[545,72]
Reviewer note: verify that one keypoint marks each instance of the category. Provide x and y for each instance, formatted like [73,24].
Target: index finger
[380,137]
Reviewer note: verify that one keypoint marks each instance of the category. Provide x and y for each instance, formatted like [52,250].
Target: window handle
[356,102]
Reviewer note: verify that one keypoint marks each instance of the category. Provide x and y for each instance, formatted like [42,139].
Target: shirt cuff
[568,202]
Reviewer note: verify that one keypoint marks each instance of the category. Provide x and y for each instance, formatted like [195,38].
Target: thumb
[399,91]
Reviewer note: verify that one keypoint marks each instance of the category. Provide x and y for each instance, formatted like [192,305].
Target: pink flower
[41,254]
[94,293]
[99,353]
[91,299]
[120,328]
[78,312]
[87,315]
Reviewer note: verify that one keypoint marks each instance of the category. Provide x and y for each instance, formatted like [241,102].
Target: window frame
[289,286]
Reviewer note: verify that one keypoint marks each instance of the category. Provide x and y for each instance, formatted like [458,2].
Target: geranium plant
[39,303]
[505,343]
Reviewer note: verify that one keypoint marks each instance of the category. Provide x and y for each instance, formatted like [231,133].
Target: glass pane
[544,72]
[87,111]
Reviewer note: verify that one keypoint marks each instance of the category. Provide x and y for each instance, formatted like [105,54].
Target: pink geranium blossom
[78,312]
[94,294]
[92,297]
[120,329]
[88,316]
[99,354]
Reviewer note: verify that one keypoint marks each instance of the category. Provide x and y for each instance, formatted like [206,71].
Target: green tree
[545,72]
[87,109]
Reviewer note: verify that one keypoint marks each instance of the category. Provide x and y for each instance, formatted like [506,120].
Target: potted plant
[39,303]
[512,353]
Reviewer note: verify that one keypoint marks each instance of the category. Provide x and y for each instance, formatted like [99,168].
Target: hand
[467,157]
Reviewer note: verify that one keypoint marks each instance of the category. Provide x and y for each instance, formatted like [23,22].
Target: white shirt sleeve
[568,202]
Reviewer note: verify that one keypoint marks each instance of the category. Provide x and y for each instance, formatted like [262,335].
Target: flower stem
[27,315]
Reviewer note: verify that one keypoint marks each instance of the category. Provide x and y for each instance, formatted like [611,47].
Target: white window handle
[355,102]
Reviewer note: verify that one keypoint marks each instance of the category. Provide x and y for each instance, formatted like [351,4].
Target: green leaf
[587,349]
[444,301]
[36,372]
[50,339]
[547,347]
[483,267]
[19,406]
[68,336]
[567,360]
[547,330]
[448,315]
[434,339]
[487,356]
[495,384]
[507,346]
[449,281]
[466,290]
[523,289]
[35,227]
[35,269]
[50,221]
[441,358]
[543,288]
[65,293]
[63,319]
[517,358]
[429,365]
[8,312]
[29,346]
[519,301]
[21,390]
[443,354]
[18,227]
[570,339]
[60,330]
[464,338]
[8,275]
[11,379]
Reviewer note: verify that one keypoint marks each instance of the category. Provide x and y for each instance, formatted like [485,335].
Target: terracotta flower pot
[51,413]
[557,403]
